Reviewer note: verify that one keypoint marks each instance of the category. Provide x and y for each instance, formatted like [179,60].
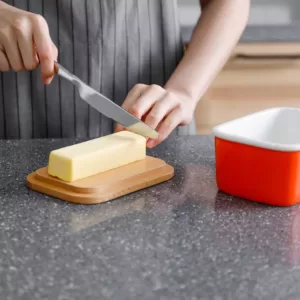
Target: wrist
[2,4]
[183,92]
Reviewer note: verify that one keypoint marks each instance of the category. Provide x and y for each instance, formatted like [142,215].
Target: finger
[44,47]
[144,103]
[119,128]
[11,48]
[26,46]
[132,96]
[54,51]
[160,109]
[167,126]
[4,63]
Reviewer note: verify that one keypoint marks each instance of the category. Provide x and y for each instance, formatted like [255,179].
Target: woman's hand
[161,109]
[25,42]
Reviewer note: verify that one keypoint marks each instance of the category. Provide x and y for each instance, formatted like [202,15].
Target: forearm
[216,34]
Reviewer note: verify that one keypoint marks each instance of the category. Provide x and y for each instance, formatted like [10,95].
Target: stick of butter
[95,156]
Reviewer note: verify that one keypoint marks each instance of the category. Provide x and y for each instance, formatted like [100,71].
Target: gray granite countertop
[182,239]
[260,34]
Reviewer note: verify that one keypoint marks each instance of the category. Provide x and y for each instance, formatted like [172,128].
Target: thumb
[55,52]
[119,128]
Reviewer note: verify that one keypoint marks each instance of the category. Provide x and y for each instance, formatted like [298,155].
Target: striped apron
[109,44]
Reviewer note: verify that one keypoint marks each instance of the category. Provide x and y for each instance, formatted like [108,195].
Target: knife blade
[105,106]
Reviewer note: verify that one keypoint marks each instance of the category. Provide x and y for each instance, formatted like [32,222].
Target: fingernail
[119,128]
[151,143]
[47,80]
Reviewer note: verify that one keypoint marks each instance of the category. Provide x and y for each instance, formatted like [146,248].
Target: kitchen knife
[106,106]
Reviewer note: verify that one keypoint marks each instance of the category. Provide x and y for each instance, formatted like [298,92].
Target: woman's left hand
[162,109]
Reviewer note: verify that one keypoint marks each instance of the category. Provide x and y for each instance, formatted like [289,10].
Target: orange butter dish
[258,156]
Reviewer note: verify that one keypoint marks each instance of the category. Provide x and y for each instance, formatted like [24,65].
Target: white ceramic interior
[275,128]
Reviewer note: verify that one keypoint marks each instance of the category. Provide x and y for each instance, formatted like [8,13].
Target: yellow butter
[95,156]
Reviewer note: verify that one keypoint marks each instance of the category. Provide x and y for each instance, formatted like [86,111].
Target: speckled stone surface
[179,240]
[260,34]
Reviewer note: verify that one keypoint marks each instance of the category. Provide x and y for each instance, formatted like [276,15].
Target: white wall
[274,12]
[263,12]
[188,2]
[189,12]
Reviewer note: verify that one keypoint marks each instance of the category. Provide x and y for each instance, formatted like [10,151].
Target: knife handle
[63,72]
[56,67]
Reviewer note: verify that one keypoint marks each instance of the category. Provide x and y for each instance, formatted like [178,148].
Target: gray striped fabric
[109,44]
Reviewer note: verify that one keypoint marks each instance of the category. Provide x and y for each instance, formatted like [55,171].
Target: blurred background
[264,69]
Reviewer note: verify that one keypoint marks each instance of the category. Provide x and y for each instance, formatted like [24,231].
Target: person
[129,50]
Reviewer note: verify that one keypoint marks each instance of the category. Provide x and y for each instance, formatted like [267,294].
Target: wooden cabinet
[256,77]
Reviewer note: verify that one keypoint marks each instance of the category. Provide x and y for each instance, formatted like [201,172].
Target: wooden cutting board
[103,186]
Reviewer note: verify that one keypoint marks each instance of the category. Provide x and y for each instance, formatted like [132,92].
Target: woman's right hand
[25,42]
